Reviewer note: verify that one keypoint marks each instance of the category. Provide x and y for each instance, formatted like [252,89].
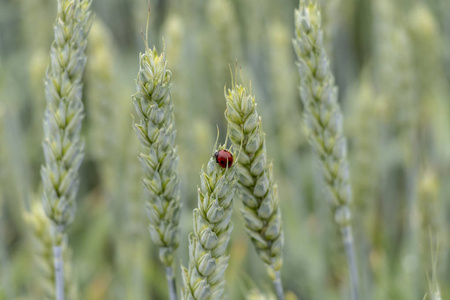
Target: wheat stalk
[257,188]
[41,241]
[204,278]
[155,129]
[323,119]
[63,148]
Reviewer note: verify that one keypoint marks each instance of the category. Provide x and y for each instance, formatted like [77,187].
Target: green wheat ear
[323,119]
[155,129]
[322,114]
[204,278]
[63,146]
[257,187]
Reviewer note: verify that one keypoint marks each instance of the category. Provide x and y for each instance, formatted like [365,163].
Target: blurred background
[392,65]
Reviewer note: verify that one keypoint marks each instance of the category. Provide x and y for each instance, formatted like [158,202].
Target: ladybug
[222,157]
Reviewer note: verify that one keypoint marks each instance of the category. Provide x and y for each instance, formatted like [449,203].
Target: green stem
[278,285]
[59,271]
[171,283]
[347,238]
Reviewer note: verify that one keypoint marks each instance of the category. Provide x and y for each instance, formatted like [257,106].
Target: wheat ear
[204,278]
[155,129]
[323,119]
[63,147]
[257,188]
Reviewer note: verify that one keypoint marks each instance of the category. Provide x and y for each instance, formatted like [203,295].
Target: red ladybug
[222,157]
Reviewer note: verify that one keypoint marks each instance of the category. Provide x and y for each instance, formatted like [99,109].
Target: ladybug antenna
[217,140]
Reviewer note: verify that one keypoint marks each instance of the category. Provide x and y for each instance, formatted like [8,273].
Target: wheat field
[224,149]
